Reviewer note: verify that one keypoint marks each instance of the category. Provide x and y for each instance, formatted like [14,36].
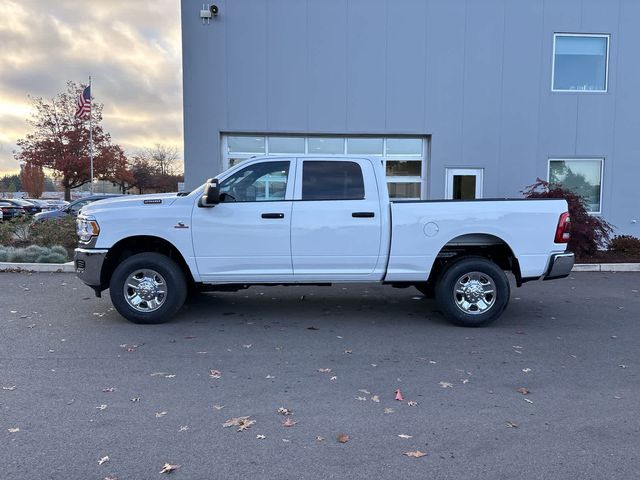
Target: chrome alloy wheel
[474,293]
[145,290]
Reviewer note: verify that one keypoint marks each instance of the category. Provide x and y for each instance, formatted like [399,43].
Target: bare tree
[162,157]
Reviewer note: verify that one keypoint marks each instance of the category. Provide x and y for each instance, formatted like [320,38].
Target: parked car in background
[28,207]
[57,204]
[9,210]
[73,208]
[42,204]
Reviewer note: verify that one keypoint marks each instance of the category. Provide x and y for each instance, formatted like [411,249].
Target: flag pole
[90,136]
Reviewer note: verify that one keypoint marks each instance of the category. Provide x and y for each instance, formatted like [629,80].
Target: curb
[37,267]
[606,267]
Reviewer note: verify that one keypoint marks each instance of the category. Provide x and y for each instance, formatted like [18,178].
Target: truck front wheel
[148,288]
[472,292]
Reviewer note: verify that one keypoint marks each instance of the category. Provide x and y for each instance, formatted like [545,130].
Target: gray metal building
[458,98]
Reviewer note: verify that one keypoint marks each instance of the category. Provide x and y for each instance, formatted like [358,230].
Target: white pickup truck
[292,221]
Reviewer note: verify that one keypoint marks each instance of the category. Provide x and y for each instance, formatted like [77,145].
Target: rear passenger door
[336,220]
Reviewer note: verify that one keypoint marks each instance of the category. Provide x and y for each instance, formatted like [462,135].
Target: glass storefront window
[278,145]
[245,144]
[582,177]
[364,146]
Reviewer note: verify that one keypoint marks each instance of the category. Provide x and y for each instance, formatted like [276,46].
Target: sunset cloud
[132,50]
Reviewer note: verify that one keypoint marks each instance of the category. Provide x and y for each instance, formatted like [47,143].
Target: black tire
[427,289]
[173,278]
[462,308]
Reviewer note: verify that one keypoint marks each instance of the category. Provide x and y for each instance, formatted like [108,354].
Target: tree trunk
[67,193]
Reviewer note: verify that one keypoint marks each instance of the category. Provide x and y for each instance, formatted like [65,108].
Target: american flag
[83,106]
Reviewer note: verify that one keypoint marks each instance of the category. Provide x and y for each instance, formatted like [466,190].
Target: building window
[582,176]
[403,158]
[580,63]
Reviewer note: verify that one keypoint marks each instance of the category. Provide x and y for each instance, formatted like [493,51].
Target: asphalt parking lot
[79,384]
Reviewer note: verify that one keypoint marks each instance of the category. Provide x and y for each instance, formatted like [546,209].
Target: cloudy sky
[131,49]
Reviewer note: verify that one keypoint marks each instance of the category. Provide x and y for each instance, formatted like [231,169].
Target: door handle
[363,214]
[273,215]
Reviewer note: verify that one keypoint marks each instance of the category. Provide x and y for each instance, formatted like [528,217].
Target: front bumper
[560,266]
[88,263]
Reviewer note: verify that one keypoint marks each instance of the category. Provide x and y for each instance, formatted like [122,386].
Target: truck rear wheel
[148,288]
[472,292]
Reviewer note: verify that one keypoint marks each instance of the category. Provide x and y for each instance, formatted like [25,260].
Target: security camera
[214,10]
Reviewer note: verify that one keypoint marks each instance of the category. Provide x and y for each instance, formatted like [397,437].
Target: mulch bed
[609,257]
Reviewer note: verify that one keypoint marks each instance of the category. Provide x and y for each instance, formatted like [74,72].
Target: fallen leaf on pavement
[348,351]
[109,389]
[399,396]
[260,437]
[362,399]
[388,410]
[404,435]
[512,424]
[160,414]
[269,376]
[334,378]
[215,373]
[365,391]
[320,439]
[412,403]
[523,390]
[168,468]
[527,400]
[101,407]
[110,477]
[249,345]
[289,422]
[465,381]
[13,430]
[170,376]
[285,411]
[343,438]
[183,428]
[416,454]
[446,385]
[324,370]
[375,398]
[11,388]
[103,460]
[218,407]
[526,370]
[242,423]
[135,399]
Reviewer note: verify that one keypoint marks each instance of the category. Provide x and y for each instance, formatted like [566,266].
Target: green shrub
[52,258]
[58,231]
[33,254]
[15,230]
[625,244]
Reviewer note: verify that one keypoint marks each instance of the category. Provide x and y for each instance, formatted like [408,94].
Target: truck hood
[127,201]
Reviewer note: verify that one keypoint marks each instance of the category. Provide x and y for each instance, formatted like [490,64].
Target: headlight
[87,227]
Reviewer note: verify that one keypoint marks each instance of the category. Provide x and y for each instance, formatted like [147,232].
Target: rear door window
[327,180]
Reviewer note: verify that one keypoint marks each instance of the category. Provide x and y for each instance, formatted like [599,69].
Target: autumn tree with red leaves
[32,178]
[60,141]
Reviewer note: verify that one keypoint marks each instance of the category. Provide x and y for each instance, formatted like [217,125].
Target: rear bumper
[88,264]
[560,265]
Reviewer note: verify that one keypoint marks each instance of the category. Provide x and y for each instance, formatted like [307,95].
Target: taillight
[563,231]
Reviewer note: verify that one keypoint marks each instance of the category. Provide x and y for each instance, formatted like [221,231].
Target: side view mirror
[211,196]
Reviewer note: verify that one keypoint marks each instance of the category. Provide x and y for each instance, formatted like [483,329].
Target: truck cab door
[246,237]
[336,223]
